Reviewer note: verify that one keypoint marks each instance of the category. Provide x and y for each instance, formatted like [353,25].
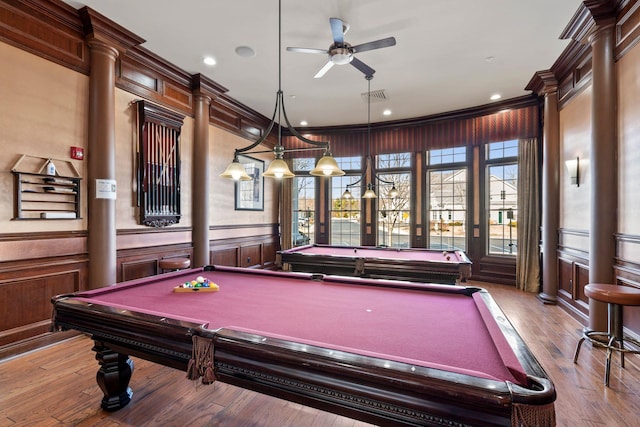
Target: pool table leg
[113,377]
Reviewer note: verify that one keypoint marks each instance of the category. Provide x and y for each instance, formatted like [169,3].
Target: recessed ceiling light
[209,60]
[387,112]
[245,51]
[489,58]
[495,96]
[303,123]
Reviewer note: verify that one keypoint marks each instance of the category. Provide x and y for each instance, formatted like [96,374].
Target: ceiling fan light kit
[340,55]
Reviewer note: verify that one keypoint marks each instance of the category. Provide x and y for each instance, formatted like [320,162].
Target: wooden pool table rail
[366,388]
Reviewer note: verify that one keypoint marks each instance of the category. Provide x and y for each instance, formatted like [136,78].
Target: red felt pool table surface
[450,329]
[415,264]
[390,253]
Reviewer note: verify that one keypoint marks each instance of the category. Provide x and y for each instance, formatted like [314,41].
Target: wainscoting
[37,266]
[573,274]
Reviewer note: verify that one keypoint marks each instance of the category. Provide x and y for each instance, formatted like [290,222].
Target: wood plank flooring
[55,386]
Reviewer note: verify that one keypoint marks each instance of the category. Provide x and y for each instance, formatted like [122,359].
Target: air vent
[376,96]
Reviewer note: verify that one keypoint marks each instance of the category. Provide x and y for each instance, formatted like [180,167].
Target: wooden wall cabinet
[158,167]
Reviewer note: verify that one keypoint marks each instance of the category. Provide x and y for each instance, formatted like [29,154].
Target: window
[502,202]
[447,155]
[447,210]
[394,211]
[345,213]
[304,203]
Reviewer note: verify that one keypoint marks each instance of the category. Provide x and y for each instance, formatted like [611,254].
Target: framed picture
[250,194]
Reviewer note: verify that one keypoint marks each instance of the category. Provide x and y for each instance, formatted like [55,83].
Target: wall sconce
[573,166]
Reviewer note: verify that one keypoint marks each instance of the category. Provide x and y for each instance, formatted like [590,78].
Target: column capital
[203,86]
[100,47]
[592,15]
[100,28]
[543,83]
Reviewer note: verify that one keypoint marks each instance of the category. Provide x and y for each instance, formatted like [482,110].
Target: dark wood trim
[229,114]
[627,28]
[34,343]
[43,264]
[145,74]
[98,27]
[573,68]
[462,114]
[274,226]
[495,269]
[49,29]
[40,235]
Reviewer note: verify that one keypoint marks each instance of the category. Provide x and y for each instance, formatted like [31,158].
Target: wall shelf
[45,196]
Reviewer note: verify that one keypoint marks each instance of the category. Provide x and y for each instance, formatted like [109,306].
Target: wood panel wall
[511,119]
[573,73]
[34,267]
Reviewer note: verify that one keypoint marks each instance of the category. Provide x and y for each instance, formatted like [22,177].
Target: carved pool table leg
[113,377]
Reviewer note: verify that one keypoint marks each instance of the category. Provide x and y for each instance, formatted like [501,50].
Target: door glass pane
[394,213]
[303,215]
[345,212]
[503,208]
[448,209]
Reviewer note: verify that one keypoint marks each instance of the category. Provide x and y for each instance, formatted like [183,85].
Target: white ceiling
[440,62]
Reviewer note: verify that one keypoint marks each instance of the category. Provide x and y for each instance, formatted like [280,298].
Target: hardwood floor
[56,385]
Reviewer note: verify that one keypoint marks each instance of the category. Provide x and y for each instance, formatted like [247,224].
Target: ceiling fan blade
[337,29]
[364,68]
[307,50]
[324,70]
[389,41]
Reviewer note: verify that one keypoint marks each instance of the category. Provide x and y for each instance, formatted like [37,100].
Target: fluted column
[101,166]
[602,168]
[201,177]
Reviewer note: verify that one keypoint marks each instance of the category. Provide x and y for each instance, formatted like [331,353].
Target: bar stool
[616,297]
[174,264]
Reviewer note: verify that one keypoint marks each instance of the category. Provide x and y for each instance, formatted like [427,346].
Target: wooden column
[201,177]
[545,84]
[106,40]
[418,221]
[602,168]
[323,217]
[101,166]
[205,91]
[370,207]
[550,197]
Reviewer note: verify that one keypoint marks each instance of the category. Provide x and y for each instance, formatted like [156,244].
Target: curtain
[528,225]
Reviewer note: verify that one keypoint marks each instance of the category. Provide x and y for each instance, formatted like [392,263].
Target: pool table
[381,351]
[422,265]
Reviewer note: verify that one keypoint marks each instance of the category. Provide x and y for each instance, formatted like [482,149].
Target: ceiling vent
[376,96]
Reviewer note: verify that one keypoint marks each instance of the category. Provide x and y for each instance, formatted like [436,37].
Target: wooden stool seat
[613,294]
[613,339]
[174,264]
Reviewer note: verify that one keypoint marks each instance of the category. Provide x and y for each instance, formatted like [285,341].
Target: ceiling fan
[341,52]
